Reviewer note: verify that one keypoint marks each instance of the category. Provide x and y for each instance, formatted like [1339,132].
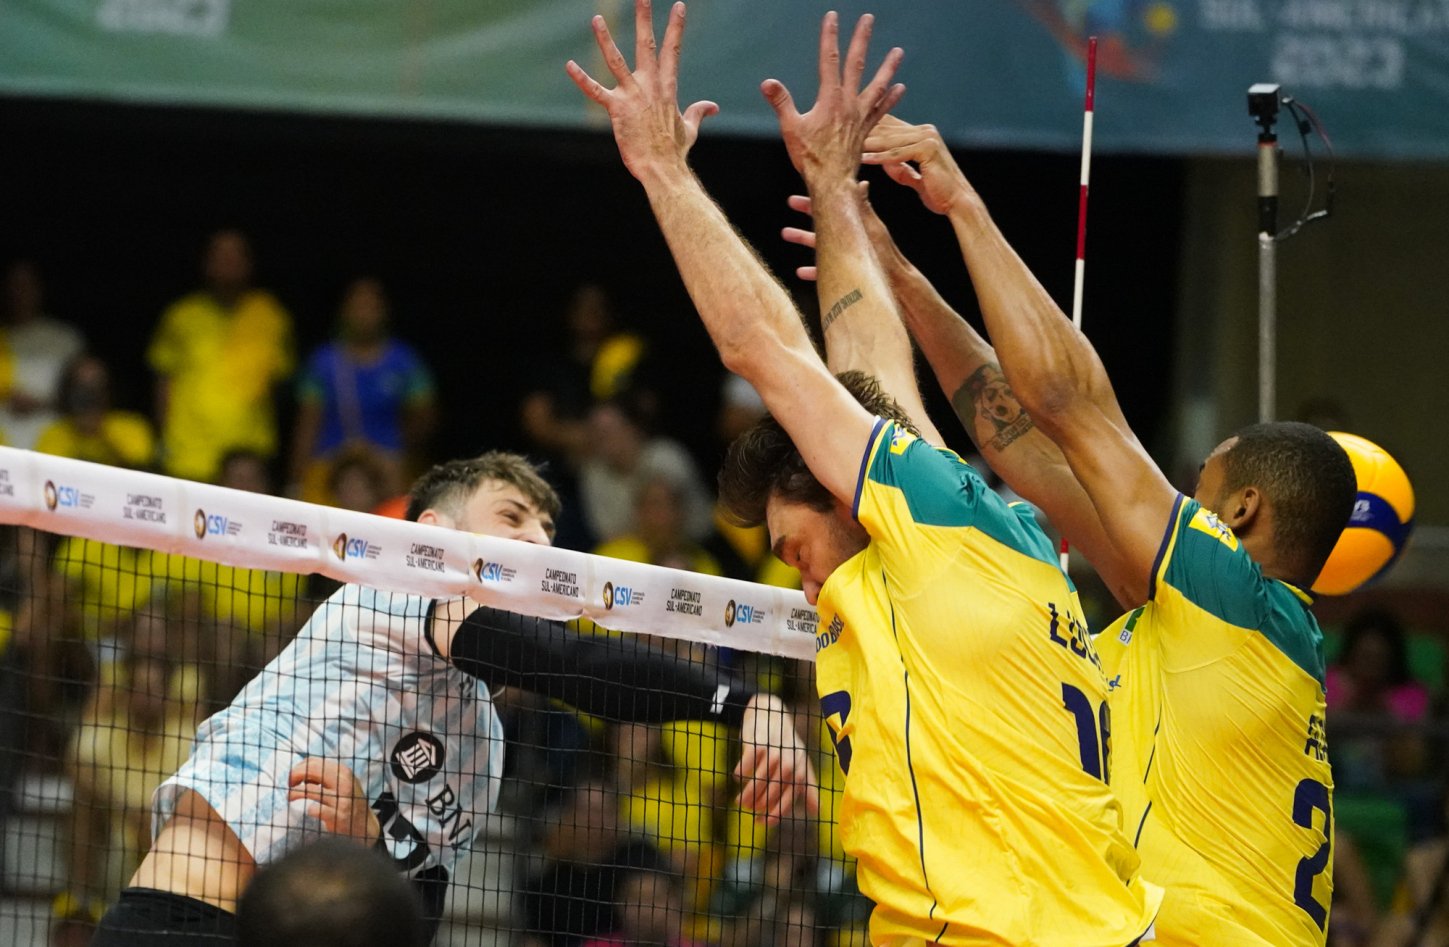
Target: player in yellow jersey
[963,691]
[1217,707]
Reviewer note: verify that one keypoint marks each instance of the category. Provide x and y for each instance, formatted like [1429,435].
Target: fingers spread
[883,75]
[586,83]
[612,57]
[830,51]
[799,202]
[779,98]
[892,97]
[643,35]
[698,112]
[855,55]
[673,44]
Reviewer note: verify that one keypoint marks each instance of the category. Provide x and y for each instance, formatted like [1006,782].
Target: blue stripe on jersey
[864,466]
[1226,583]
[941,489]
[910,766]
[1167,532]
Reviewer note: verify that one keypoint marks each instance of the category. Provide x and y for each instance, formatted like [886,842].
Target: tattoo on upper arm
[841,304]
[989,410]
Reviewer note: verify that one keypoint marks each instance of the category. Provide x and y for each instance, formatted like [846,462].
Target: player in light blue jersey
[377,723]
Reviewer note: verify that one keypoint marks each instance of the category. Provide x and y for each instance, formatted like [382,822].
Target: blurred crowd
[110,656]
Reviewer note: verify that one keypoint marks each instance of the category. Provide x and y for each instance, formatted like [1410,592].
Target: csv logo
[742,613]
[212,524]
[353,548]
[57,495]
[621,596]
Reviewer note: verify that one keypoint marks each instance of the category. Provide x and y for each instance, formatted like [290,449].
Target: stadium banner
[132,508]
[1001,73]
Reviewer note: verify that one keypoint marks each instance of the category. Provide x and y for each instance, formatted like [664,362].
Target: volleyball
[1378,528]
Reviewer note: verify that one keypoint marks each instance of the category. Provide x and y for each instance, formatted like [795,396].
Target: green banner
[1172,73]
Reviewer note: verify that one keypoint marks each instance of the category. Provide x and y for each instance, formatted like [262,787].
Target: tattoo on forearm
[989,410]
[842,304]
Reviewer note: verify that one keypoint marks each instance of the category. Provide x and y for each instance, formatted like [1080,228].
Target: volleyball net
[572,797]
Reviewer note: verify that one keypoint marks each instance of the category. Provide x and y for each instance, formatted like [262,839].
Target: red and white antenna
[1081,274]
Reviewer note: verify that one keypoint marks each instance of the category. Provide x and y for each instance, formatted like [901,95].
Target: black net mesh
[574,829]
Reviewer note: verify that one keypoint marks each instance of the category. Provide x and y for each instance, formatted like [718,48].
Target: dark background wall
[481,234]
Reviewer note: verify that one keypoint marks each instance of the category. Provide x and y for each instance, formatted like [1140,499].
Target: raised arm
[621,680]
[749,316]
[966,369]
[1051,367]
[858,317]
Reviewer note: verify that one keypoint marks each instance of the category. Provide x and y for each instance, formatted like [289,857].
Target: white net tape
[132,508]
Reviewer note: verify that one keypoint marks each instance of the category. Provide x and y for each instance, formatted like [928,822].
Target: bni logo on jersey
[742,613]
[213,524]
[417,757]
[354,548]
[624,596]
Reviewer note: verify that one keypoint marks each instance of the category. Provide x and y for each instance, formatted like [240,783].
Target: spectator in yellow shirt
[88,429]
[218,355]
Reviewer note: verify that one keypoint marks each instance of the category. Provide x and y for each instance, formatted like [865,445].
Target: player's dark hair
[1308,479]
[331,893]
[447,486]
[764,462]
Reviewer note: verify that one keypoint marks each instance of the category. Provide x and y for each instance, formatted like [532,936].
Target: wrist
[663,172]
[824,185]
[968,210]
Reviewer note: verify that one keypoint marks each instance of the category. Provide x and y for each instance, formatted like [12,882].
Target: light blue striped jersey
[360,684]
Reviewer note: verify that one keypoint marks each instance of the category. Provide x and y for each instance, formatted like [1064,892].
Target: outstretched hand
[331,794]
[827,140]
[917,156]
[643,108]
[774,766]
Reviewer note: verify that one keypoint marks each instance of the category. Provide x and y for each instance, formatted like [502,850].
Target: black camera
[1263,101]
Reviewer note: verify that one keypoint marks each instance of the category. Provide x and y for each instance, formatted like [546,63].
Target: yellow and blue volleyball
[1378,528]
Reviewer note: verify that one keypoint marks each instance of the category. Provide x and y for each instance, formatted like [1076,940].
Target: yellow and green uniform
[222,365]
[966,699]
[1219,755]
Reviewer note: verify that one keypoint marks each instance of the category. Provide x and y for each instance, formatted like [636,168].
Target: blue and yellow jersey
[1220,760]
[966,704]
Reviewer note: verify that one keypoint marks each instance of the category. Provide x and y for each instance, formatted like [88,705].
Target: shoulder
[1203,563]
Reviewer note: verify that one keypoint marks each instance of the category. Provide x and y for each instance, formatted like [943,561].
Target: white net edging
[203,521]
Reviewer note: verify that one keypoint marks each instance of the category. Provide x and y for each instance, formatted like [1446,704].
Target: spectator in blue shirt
[363,390]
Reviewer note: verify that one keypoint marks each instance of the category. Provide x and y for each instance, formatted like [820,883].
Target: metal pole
[1263,101]
[1267,325]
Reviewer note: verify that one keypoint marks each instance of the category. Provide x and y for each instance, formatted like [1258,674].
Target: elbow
[744,352]
[1047,400]
[733,357]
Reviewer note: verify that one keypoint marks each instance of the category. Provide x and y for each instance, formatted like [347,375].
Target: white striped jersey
[360,684]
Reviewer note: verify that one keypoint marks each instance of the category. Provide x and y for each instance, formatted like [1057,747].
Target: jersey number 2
[1309,796]
[1094,732]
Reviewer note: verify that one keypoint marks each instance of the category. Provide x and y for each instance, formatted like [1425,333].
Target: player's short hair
[447,486]
[1308,479]
[764,462]
[331,893]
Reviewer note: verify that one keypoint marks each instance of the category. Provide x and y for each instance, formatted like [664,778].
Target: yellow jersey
[222,365]
[1221,764]
[966,705]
